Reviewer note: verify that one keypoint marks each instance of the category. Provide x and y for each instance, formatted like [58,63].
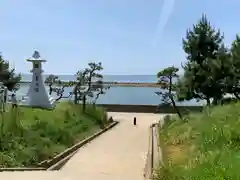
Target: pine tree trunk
[208,101]
[237,96]
[84,103]
[75,98]
[176,108]
[215,101]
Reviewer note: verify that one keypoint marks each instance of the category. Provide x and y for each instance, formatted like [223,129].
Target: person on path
[14,101]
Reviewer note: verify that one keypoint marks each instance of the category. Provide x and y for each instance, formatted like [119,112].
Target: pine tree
[8,76]
[201,45]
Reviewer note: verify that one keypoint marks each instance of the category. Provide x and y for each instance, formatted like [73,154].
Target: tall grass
[29,136]
[204,146]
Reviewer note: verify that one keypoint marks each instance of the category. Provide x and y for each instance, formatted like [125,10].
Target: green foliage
[52,79]
[98,114]
[202,42]
[206,146]
[8,76]
[89,82]
[202,45]
[29,136]
[59,88]
[212,70]
[166,78]
[234,82]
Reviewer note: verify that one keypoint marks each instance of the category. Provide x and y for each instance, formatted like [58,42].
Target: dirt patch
[176,153]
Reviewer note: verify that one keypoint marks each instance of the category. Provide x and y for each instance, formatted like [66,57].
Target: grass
[203,146]
[29,136]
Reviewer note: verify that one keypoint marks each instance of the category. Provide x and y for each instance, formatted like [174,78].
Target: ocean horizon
[117,78]
[116,95]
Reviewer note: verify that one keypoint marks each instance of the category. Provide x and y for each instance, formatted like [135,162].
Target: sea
[116,95]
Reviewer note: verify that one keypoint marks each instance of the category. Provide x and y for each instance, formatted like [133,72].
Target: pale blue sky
[127,36]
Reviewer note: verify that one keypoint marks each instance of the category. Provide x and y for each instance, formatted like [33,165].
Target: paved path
[118,154]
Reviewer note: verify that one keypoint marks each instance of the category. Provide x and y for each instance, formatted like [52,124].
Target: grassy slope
[32,135]
[206,146]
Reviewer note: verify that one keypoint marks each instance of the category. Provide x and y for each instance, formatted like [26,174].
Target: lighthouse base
[50,104]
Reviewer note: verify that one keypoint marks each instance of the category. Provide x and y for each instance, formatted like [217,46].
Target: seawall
[149,108]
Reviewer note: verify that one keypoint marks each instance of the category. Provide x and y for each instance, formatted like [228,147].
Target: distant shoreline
[120,84]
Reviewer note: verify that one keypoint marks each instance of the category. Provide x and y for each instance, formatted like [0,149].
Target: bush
[98,114]
[204,147]
[29,136]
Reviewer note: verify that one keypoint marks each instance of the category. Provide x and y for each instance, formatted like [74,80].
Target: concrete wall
[149,108]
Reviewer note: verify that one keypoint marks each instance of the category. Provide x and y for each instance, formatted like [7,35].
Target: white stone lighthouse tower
[37,95]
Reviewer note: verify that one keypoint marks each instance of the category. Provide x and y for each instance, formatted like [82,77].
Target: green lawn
[204,146]
[29,136]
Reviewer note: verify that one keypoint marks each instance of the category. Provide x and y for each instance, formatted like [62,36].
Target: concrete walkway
[118,154]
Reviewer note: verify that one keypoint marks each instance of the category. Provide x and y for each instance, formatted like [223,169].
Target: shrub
[204,147]
[29,136]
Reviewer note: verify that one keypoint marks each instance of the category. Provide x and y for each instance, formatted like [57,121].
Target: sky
[129,37]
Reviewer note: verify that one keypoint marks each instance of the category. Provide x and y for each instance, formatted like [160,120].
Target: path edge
[71,151]
[154,159]
[60,159]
